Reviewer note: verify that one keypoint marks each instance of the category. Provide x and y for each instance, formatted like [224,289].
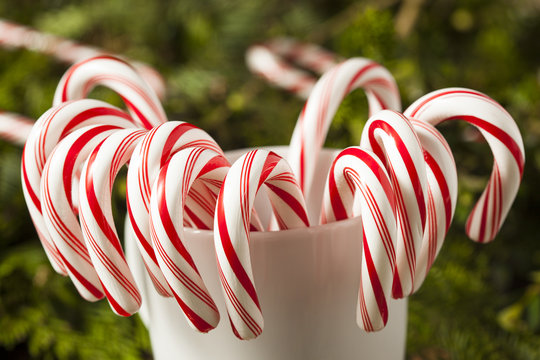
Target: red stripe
[296,206]
[378,291]
[231,255]
[166,220]
[92,113]
[87,284]
[216,162]
[397,291]
[144,120]
[271,161]
[112,269]
[444,93]
[340,213]
[63,231]
[368,326]
[407,160]
[498,133]
[500,198]
[72,156]
[241,311]
[195,319]
[375,167]
[28,186]
[140,237]
[443,186]
[186,281]
[117,308]
[173,137]
[79,64]
[380,222]
[197,222]
[94,204]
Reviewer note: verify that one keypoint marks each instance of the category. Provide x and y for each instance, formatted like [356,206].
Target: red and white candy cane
[157,146]
[360,171]
[119,76]
[19,36]
[502,135]
[391,136]
[49,129]
[167,203]
[441,196]
[97,222]
[232,230]
[15,128]
[271,61]
[323,103]
[59,212]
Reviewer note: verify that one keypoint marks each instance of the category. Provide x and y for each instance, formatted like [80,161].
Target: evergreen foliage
[478,302]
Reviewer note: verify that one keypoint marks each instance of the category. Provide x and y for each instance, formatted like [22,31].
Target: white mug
[307,281]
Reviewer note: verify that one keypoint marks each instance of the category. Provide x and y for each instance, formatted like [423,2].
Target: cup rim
[288,233]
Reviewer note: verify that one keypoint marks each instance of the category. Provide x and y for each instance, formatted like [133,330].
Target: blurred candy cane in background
[13,35]
[271,60]
[15,128]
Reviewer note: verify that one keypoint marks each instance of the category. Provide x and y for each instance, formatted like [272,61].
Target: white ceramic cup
[307,281]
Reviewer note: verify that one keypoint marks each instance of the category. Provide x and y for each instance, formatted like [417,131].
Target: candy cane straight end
[391,136]
[232,230]
[167,204]
[357,171]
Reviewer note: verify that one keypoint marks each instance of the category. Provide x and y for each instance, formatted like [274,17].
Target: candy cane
[97,221]
[391,137]
[49,129]
[314,121]
[441,196]
[18,36]
[232,233]
[270,60]
[59,214]
[504,139]
[117,75]
[157,146]
[357,170]
[167,202]
[15,128]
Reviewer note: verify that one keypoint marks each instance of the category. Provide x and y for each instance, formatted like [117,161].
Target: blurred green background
[479,301]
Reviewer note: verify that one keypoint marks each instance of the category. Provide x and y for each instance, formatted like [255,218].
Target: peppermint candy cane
[49,129]
[119,76]
[97,222]
[271,61]
[169,196]
[18,36]
[391,137]
[504,139]
[15,128]
[152,152]
[441,196]
[59,213]
[356,170]
[232,233]
[314,121]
